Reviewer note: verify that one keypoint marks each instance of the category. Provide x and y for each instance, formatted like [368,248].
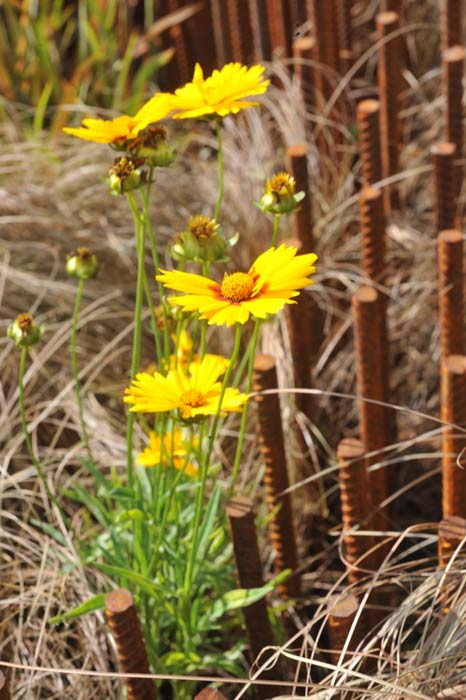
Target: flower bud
[280,196]
[126,174]
[82,263]
[24,332]
[152,146]
[201,242]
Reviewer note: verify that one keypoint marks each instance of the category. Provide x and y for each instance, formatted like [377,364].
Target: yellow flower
[271,282]
[123,128]
[221,93]
[184,354]
[194,394]
[169,449]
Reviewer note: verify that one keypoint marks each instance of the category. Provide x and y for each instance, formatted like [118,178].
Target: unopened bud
[152,146]
[280,196]
[82,263]
[24,332]
[126,174]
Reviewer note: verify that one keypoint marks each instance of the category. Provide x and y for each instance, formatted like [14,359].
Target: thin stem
[276,224]
[218,205]
[74,366]
[244,416]
[24,426]
[140,247]
[204,466]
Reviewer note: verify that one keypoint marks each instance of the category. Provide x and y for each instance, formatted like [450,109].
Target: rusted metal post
[123,621]
[345,37]
[368,119]
[297,159]
[240,30]
[373,428]
[304,57]
[391,6]
[276,476]
[390,82]
[450,288]
[260,30]
[451,23]
[355,505]
[240,513]
[324,22]
[453,69]
[279,22]
[443,163]
[4,691]
[451,531]
[453,410]
[210,694]
[341,612]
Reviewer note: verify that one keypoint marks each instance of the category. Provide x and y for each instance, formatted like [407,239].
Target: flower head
[201,241]
[195,393]
[280,196]
[82,263]
[271,282]
[166,450]
[221,93]
[126,174]
[185,357]
[24,332]
[124,128]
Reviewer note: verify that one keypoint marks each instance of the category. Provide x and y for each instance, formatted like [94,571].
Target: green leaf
[51,531]
[97,602]
[241,597]
[206,529]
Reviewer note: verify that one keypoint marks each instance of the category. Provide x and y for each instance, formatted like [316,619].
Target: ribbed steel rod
[240,30]
[453,70]
[297,155]
[345,34]
[368,119]
[451,23]
[341,612]
[304,54]
[443,164]
[451,292]
[453,410]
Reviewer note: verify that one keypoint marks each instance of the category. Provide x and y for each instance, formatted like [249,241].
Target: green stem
[244,416]
[140,247]
[74,366]
[204,466]
[276,223]
[24,426]
[218,206]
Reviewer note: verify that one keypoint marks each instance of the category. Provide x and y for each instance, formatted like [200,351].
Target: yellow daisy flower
[194,394]
[184,354]
[123,128]
[165,450]
[221,93]
[271,282]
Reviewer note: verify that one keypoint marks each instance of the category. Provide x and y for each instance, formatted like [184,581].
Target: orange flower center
[192,398]
[238,287]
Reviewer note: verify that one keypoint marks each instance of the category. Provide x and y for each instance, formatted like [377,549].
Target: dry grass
[51,201]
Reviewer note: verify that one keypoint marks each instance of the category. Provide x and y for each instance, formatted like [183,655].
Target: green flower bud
[202,241]
[82,263]
[24,332]
[126,175]
[152,146]
[280,196]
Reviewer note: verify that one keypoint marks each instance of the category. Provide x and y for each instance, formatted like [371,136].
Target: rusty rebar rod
[451,532]
[324,23]
[210,694]
[341,610]
[240,30]
[390,84]
[368,119]
[4,690]
[279,23]
[303,229]
[345,36]
[304,49]
[355,505]
[451,292]
[451,23]
[123,621]
[276,480]
[240,513]
[453,70]
[373,427]
[453,410]
[443,164]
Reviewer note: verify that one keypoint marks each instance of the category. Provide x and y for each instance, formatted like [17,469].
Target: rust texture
[297,159]
[390,84]
[450,288]
[260,30]
[443,164]
[345,38]
[210,694]
[391,6]
[368,119]
[240,31]
[281,526]
[453,69]
[279,23]
[451,531]
[355,504]
[4,691]
[123,621]
[341,611]
[240,513]
[451,23]
[324,22]
[453,410]
[304,56]
[373,427]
